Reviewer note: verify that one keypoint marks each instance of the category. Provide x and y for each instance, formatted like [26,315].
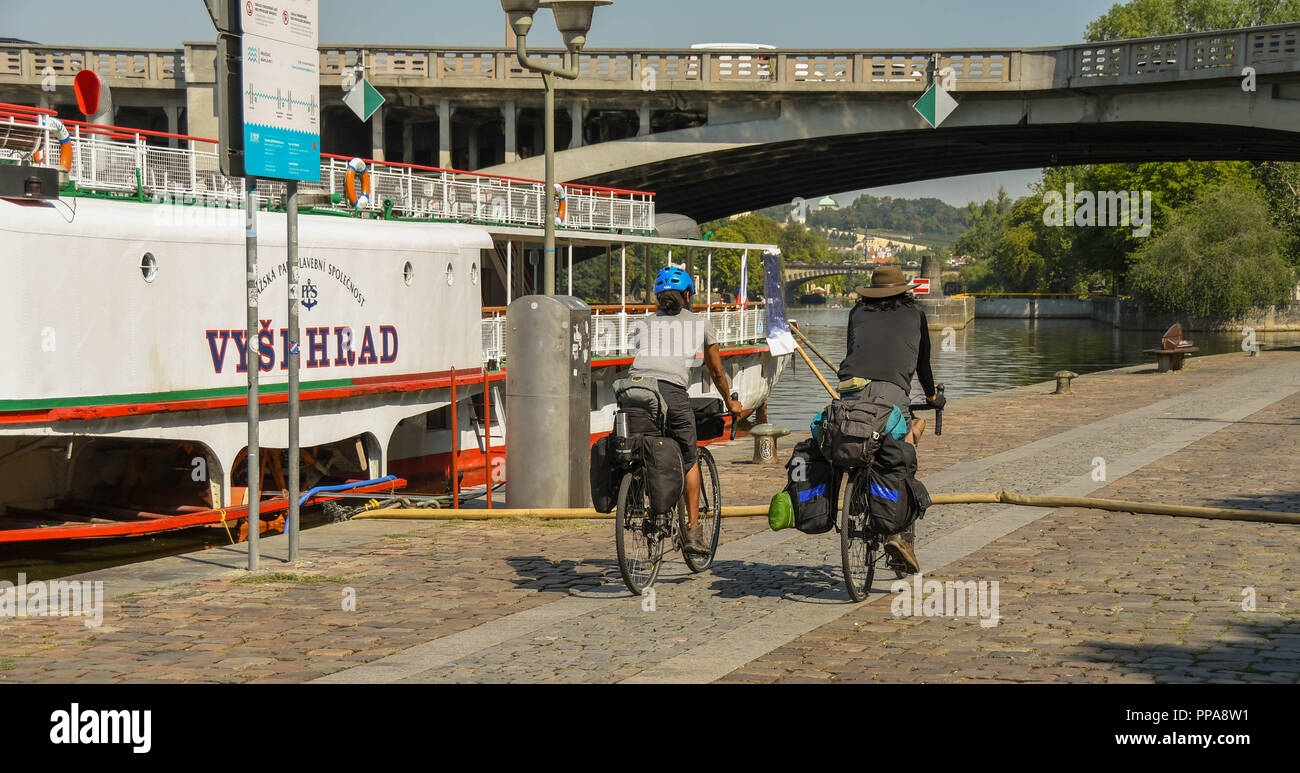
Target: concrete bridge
[798,274]
[719,132]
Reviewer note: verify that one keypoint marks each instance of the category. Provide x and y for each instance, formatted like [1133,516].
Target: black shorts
[681,421]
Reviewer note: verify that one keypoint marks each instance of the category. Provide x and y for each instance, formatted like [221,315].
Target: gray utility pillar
[932,269]
[548,402]
[377,134]
[444,134]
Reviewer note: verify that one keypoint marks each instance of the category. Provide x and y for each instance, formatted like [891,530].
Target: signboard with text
[281,89]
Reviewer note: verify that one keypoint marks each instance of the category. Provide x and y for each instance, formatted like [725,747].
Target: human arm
[923,372]
[713,361]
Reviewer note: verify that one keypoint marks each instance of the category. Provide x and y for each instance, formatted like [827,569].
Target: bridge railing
[1200,55]
[1210,54]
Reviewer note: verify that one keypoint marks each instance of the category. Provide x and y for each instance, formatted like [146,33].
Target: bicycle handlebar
[938,412]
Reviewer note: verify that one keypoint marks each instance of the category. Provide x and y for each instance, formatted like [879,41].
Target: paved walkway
[1081,593]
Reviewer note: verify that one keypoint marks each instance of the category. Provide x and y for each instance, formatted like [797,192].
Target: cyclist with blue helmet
[668,345]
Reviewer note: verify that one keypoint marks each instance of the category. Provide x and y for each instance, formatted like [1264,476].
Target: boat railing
[612,330]
[135,163]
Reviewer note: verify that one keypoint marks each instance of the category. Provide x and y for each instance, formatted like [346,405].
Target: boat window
[149,267]
[408,273]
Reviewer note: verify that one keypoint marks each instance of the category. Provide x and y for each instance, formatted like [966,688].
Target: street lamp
[573,18]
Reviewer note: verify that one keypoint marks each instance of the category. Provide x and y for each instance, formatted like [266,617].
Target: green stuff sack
[780,514]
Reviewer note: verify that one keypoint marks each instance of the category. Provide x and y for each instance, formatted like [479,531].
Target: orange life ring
[59,132]
[357,200]
[561,205]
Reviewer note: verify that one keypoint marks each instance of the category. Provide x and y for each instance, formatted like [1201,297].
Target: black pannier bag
[852,430]
[710,415]
[661,469]
[812,484]
[605,475]
[896,499]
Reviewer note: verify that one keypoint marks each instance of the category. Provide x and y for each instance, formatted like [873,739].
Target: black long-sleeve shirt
[889,346]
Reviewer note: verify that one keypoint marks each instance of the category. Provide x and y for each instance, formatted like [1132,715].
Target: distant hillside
[929,221]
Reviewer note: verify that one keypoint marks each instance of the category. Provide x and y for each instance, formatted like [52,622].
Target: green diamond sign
[935,105]
[364,99]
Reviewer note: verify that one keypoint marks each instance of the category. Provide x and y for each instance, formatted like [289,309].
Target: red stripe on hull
[163,523]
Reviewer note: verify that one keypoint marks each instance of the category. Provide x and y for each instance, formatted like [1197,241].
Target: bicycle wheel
[710,512]
[860,548]
[639,536]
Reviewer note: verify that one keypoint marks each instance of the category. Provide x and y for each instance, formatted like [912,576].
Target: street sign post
[921,286]
[268,98]
[281,89]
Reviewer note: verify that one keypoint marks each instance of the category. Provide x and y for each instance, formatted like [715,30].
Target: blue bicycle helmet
[674,278]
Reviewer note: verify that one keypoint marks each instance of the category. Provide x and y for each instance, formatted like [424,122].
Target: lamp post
[573,18]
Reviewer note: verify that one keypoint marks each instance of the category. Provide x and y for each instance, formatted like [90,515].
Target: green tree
[1151,18]
[1219,256]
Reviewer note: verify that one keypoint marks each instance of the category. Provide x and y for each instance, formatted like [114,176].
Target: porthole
[451,274]
[149,267]
[473,273]
[408,273]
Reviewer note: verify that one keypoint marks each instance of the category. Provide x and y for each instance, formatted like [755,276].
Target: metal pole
[487,434]
[570,268]
[708,309]
[622,285]
[253,362]
[510,271]
[548,257]
[291,221]
[609,255]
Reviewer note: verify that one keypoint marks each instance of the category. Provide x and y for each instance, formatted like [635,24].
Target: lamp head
[573,17]
[520,13]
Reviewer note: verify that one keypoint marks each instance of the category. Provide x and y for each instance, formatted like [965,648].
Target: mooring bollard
[765,436]
[1063,379]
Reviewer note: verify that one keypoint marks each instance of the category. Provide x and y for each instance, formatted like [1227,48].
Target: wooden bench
[1173,349]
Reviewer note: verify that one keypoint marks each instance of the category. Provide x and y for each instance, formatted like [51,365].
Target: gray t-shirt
[668,347]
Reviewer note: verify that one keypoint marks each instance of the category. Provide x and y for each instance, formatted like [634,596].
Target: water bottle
[621,445]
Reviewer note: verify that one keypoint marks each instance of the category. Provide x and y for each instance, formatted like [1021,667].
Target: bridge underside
[716,184]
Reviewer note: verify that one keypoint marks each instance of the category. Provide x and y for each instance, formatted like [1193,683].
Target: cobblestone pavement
[1107,597]
[527,601]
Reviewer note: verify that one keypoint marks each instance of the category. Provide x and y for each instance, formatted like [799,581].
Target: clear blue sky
[630,23]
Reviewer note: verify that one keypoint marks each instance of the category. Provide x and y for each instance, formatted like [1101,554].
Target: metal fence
[612,333]
[126,163]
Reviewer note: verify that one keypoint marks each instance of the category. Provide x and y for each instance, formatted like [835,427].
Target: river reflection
[989,355]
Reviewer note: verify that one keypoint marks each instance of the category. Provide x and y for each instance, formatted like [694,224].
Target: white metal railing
[612,332]
[126,164]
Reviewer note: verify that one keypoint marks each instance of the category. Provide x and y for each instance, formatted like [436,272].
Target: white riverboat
[123,401]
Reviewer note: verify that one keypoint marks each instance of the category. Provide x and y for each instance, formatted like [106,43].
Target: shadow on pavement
[1264,651]
[541,573]
[746,579]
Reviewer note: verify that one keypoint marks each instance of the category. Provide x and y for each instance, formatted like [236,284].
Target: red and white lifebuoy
[357,200]
[561,205]
[59,132]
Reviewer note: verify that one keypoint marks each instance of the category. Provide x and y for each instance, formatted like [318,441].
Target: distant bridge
[720,132]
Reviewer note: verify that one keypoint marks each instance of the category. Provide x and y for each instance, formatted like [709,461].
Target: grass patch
[288,578]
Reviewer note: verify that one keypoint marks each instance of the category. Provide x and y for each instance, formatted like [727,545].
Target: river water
[989,355]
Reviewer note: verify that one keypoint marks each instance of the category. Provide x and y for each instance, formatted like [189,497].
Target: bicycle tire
[635,527]
[710,513]
[860,548]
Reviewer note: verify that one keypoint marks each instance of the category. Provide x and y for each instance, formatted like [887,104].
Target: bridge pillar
[643,119]
[575,115]
[408,142]
[932,269]
[511,115]
[444,133]
[173,123]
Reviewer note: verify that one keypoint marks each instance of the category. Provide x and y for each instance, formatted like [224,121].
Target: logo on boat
[309,293]
[326,347]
